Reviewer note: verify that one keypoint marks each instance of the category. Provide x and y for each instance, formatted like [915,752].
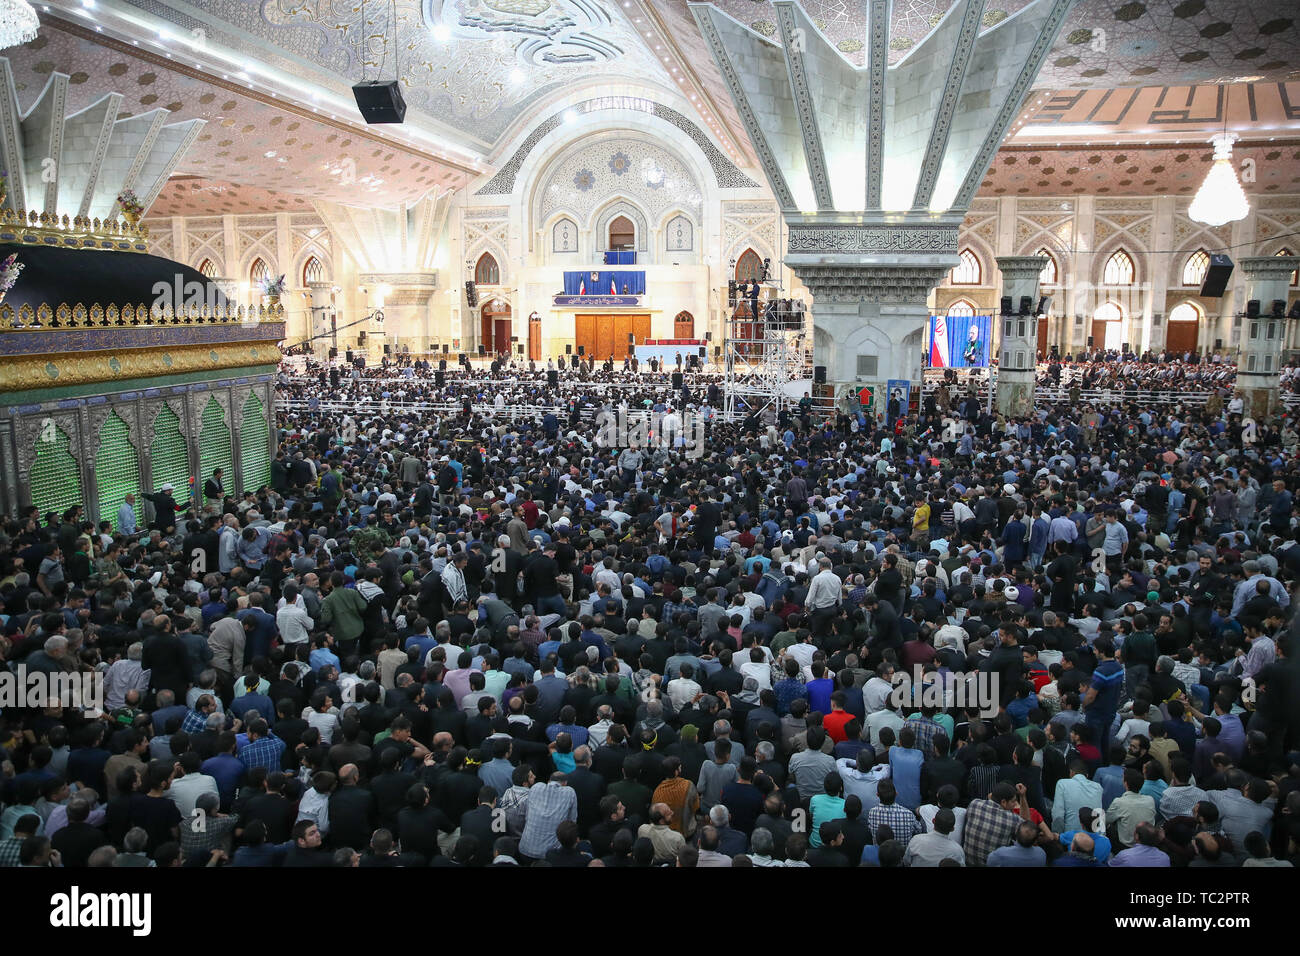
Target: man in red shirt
[834,721]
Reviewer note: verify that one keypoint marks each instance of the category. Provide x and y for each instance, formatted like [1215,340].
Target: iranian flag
[613,290]
[939,343]
[582,287]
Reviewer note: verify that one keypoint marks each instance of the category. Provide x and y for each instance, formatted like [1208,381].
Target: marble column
[874,168]
[405,300]
[1268,279]
[321,308]
[1017,354]
[870,304]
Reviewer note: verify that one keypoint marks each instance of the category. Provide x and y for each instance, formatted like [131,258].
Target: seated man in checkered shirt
[991,824]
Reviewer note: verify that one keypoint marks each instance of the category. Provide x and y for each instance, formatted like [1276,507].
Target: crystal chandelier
[1220,198]
[18,23]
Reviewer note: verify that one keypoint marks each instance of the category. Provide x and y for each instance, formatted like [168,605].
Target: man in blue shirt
[905,763]
[1102,698]
[126,521]
[820,689]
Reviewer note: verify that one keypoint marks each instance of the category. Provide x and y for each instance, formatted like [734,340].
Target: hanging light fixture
[1220,199]
[18,23]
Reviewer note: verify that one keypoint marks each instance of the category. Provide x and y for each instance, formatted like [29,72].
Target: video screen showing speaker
[1217,274]
[380,101]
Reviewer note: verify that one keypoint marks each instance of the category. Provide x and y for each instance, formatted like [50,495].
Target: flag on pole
[582,287]
[613,290]
[939,343]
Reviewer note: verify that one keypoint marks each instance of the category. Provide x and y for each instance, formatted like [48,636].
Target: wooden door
[1042,338]
[502,339]
[1182,336]
[684,326]
[1099,334]
[604,337]
[535,338]
[584,335]
[622,329]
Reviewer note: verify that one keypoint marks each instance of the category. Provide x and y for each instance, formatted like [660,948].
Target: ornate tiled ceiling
[249,138]
[472,66]
[1134,170]
[1103,43]
[196,196]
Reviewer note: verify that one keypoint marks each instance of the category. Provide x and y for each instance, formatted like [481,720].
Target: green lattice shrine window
[55,476]
[214,447]
[169,458]
[117,469]
[254,453]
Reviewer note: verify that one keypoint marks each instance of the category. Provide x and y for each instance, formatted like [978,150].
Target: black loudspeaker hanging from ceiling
[1216,278]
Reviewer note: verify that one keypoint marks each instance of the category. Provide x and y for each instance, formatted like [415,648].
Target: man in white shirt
[877,690]
[936,845]
[758,668]
[824,589]
[683,690]
[185,790]
[292,620]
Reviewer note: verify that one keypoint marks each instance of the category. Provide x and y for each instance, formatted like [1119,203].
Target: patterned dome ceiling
[478,73]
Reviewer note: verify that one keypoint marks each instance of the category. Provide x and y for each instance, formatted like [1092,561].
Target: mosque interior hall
[196,192]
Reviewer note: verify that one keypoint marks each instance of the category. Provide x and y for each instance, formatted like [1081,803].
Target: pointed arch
[1051,273]
[622,233]
[208,269]
[117,467]
[55,475]
[749,266]
[258,272]
[1119,269]
[215,446]
[1194,268]
[254,445]
[962,307]
[169,456]
[313,270]
[968,271]
[486,271]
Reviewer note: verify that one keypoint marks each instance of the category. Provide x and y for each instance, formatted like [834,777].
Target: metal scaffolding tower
[768,345]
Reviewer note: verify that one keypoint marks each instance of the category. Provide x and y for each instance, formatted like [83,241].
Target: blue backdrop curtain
[619,257]
[635,282]
[959,338]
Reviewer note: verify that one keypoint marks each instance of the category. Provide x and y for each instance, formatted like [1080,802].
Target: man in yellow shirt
[921,524]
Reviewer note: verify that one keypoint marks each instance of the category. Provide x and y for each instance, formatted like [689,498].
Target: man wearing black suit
[390,787]
[727,679]
[478,824]
[589,786]
[607,760]
[352,812]
[707,517]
